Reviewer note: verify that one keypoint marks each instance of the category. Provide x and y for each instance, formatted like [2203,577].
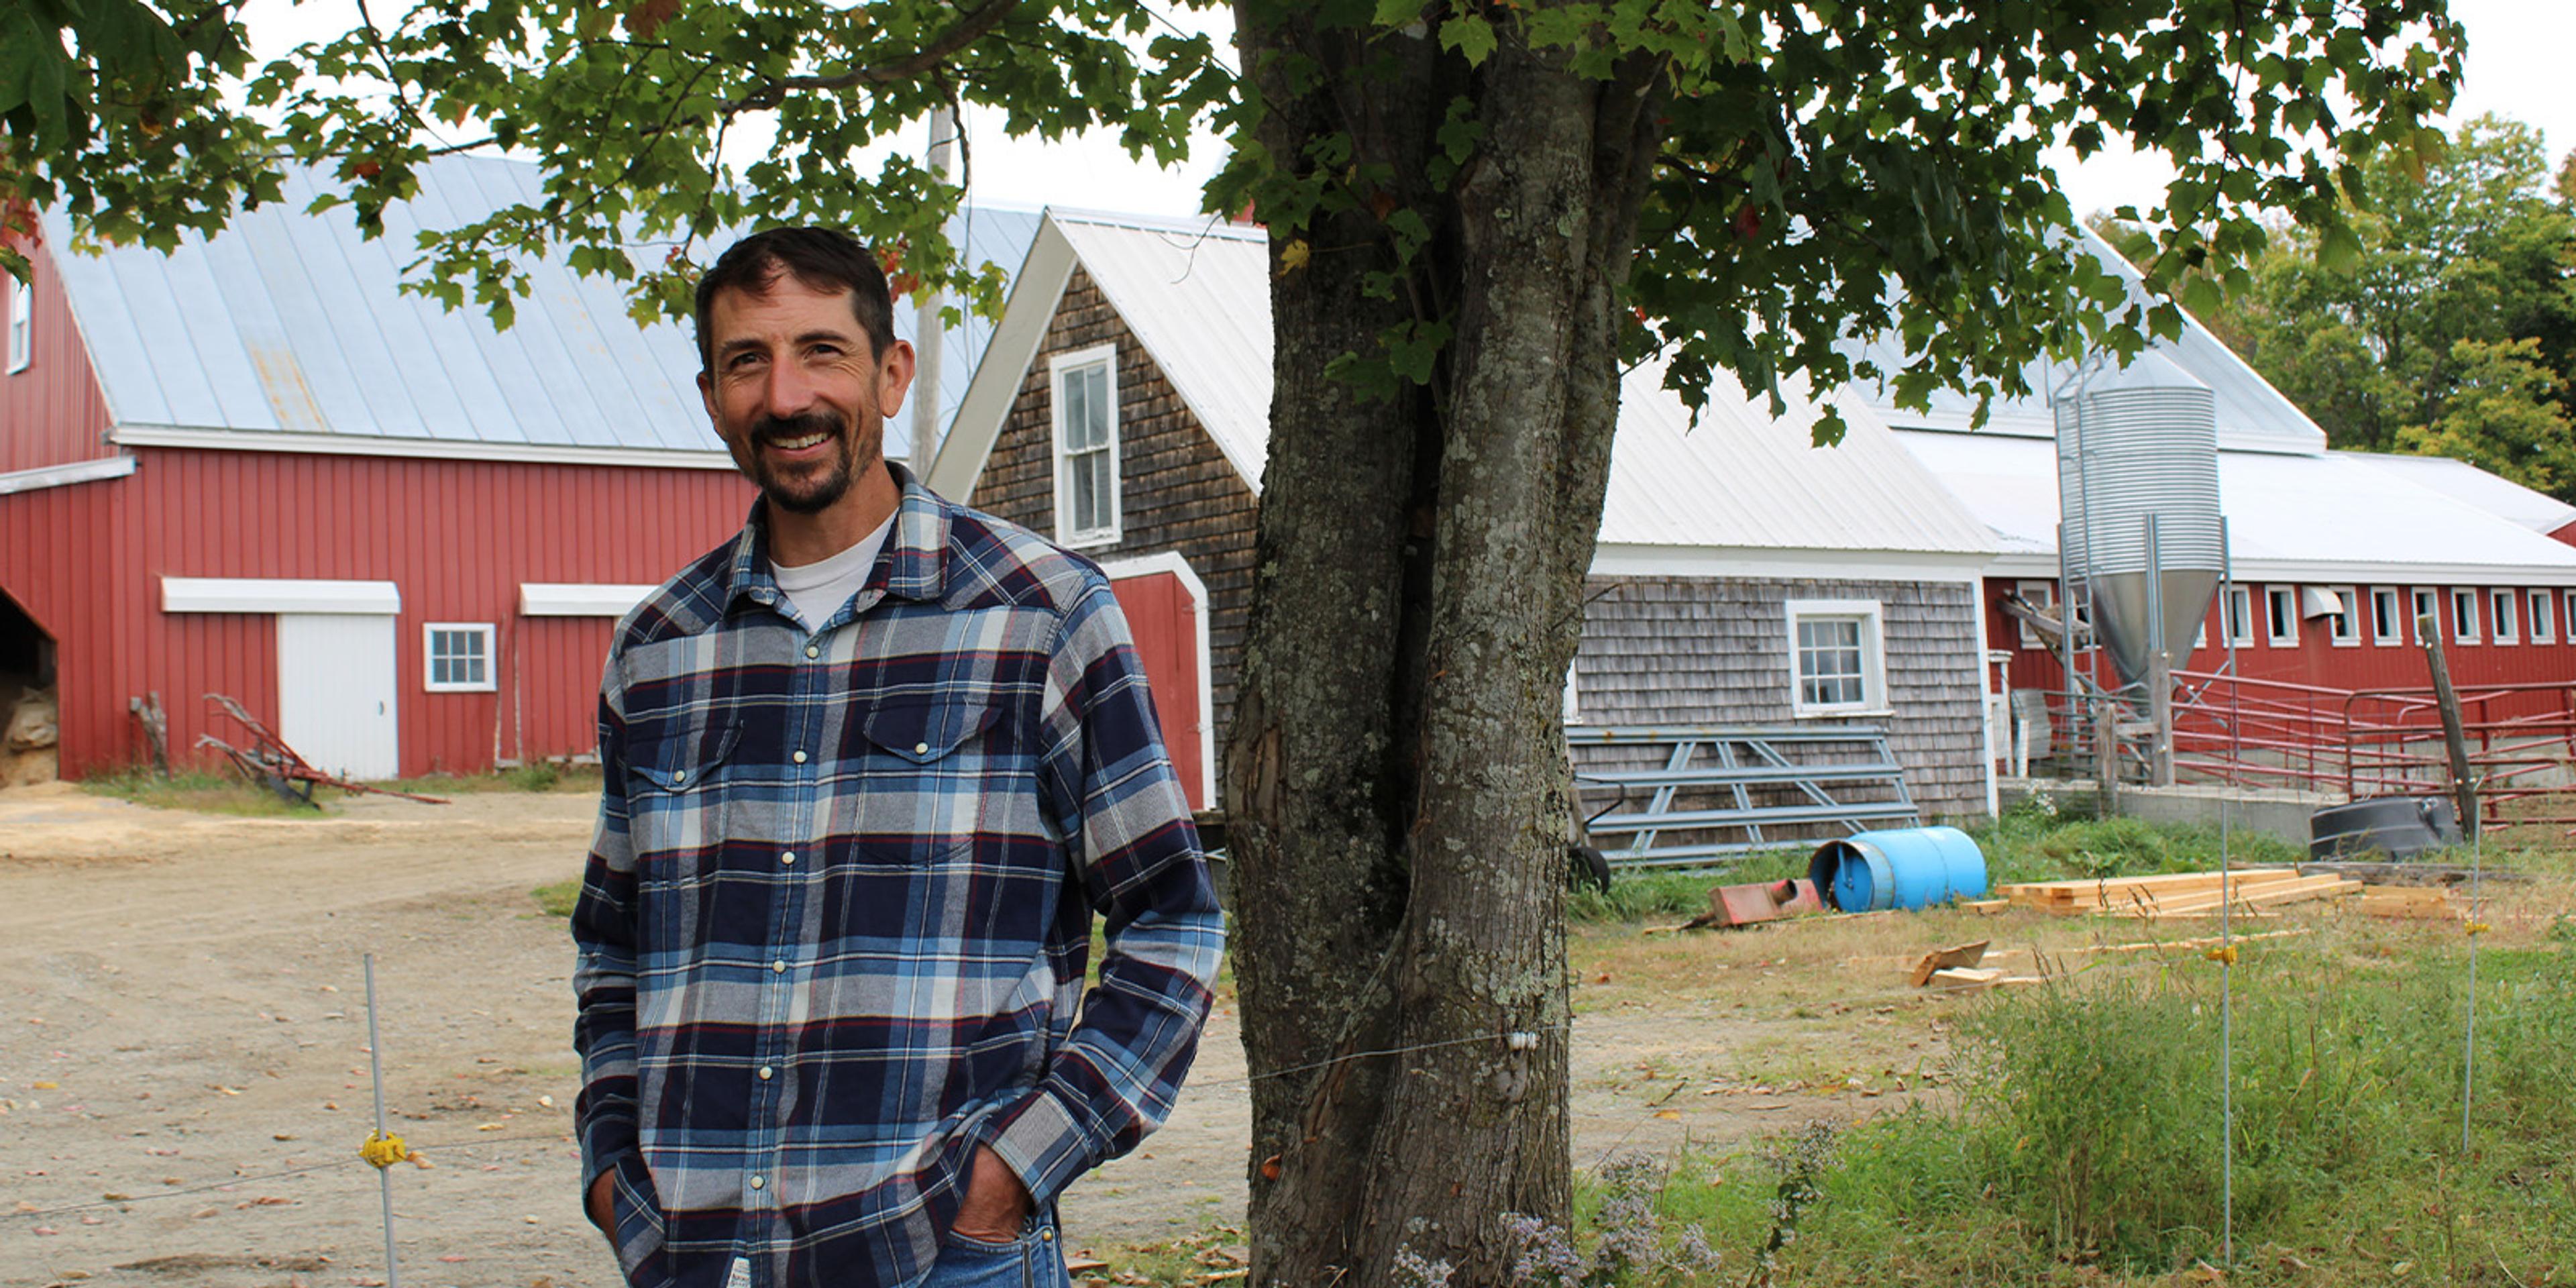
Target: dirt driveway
[183,1057]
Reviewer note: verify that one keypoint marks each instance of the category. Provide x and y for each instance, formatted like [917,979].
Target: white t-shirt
[817,590]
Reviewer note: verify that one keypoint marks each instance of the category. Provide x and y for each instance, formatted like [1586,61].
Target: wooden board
[2428,903]
[1941,959]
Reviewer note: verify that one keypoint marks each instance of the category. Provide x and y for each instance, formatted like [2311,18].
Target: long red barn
[397,534]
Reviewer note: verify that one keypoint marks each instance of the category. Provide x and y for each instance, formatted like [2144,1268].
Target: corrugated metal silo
[2137,480]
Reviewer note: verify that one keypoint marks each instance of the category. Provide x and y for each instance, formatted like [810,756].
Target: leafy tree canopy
[1809,153]
[2450,329]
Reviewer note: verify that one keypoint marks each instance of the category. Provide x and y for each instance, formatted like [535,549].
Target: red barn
[2333,552]
[255,467]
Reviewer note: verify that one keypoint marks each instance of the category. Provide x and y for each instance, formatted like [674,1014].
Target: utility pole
[925,319]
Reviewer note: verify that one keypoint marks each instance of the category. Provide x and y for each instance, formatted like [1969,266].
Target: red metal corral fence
[2379,742]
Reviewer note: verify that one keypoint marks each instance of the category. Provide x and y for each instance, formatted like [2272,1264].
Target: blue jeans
[1033,1260]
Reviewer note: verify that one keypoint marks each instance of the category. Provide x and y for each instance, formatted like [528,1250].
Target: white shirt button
[800,757]
[788,859]
[766,1073]
[679,778]
[778,967]
[812,651]
[921,749]
[759,1182]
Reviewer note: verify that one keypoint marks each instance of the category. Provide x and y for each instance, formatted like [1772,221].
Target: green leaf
[1470,36]
[1397,13]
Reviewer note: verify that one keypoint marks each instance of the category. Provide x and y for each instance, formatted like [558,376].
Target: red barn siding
[1165,623]
[2316,660]
[455,537]
[51,413]
[557,662]
[59,562]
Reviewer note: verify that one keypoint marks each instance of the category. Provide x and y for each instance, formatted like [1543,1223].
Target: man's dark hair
[821,258]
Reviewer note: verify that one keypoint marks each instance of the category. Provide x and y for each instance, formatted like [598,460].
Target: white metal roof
[291,325]
[2462,481]
[1196,294]
[2252,415]
[1745,478]
[2329,517]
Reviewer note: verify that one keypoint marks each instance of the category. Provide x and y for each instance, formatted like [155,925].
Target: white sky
[2516,67]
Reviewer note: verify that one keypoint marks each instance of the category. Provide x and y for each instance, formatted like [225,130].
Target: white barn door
[335,692]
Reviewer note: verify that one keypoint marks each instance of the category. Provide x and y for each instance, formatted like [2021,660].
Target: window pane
[473,669]
[1077,413]
[1085,494]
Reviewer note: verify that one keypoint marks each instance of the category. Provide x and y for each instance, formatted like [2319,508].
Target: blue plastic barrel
[1904,867]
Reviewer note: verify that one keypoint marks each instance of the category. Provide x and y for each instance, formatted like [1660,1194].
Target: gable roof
[2464,482]
[288,331]
[2252,415]
[1196,295]
[2330,517]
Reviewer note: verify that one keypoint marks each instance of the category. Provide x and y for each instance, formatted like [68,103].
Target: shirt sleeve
[1116,1075]
[603,980]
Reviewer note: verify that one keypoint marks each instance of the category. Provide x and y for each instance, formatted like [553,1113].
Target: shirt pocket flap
[922,732]
[677,762]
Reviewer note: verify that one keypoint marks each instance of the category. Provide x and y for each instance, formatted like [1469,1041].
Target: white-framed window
[2343,625]
[1085,398]
[22,323]
[2386,626]
[2281,616]
[2505,613]
[2240,615]
[2464,616]
[2571,617]
[2427,604]
[2041,595]
[458,657]
[1837,665]
[2544,618]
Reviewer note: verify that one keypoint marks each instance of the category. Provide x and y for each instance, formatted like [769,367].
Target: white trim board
[1036,291]
[45,476]
[1170,561]
[435,449]
[579,598]
[278,595]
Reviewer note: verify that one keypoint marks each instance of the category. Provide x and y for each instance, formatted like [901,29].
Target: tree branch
[966,32]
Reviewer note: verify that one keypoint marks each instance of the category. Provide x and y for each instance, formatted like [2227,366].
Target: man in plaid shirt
[871,767]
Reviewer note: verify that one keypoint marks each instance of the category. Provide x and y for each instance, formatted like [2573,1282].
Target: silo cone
[1901,867]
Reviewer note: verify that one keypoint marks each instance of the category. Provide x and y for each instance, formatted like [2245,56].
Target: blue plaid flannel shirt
[833,928]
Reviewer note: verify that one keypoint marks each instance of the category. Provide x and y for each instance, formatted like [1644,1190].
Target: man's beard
[807,493]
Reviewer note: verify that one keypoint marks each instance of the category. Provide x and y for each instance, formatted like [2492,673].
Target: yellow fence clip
[2479,927]
[2224,953]
[382,1150]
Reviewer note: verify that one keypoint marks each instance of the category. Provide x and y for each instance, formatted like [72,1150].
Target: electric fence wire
[2469,1037]
[2226,912]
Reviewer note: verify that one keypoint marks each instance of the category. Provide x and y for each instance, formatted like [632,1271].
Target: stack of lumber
[1957,969]
[2179,894]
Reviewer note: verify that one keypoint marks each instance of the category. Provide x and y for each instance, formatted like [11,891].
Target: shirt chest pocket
[926,769]
[678,797]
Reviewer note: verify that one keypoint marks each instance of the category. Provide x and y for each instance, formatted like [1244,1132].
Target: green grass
[2082,1145]
[541,776]
[556,900]
[204,791]
[2029,843]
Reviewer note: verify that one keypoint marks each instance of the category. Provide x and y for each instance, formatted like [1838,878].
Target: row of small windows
[2474,615]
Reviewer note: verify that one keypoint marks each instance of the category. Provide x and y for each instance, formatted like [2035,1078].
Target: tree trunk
[1397,767]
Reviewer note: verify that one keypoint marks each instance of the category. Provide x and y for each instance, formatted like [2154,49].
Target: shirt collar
[914,564]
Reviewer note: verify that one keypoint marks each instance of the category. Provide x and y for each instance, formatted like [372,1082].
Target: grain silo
[2137,478]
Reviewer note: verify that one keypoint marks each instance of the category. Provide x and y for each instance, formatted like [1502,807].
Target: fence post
[2160,710]
[2464,788]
